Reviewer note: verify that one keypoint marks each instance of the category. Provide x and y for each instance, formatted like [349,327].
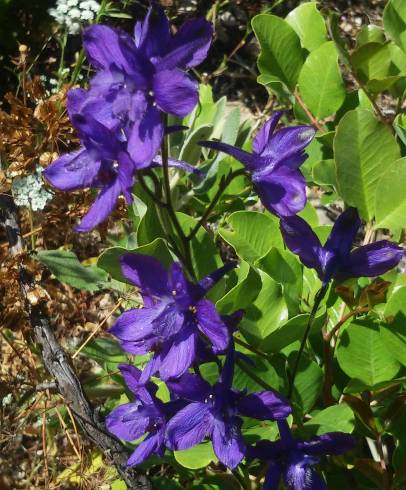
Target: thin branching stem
[317,300]
[224,183]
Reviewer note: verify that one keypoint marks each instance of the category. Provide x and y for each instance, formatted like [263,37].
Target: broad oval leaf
[309,25]
[370,34]
[394,21]
[196,457]
[320,81]
[332,419]
[363,356]
[281,55]
[391,197]
[363,149]
[253,234]
[67,268]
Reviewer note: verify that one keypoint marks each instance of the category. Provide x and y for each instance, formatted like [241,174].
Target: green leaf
[320,82]
[363,147]
[399,125]
[391,197]
[205,257]
[332,419]
[308,384]
[281,56]
[109,260]
[396,305]
[309,25]
[362,355]
[253,234]
[393,336]
[324,173]
[394,21]
[66,268]
[371,61]
[285,269]
[196,457]
[290,332]
[370,34]
[244,292]
[191,151]
[266,313]
[101,349]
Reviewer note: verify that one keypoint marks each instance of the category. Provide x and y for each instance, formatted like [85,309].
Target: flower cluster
[121,123]
[120,119]
[74,13]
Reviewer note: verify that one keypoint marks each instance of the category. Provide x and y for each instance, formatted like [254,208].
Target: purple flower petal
[211,325]
[131,376]
[76,99]
[329,443]
[228,443]
[190,387]
[343,233]
[264,406]
[134,328]
[106,46]
[145,272]
[189,426]
[184,292]
[180,355]
[97,137]
[209,281]
[175,92]
[186,167]
[153,36]
[283,192]
[302,241]
[151,368]
[299,476]
[126,171]
[190,45]
[373,259]
[251,161]
[75,170]
[101,208]
[135,425]
[146,137]
[264,135]
[288,142]
[147,447]
[272,477]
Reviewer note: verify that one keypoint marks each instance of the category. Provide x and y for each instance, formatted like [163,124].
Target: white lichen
[74,13]
[30,191]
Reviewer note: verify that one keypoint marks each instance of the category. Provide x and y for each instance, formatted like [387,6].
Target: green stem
[254,377]
[31,218]
[251,349]
[319,296]
[186,255]
[224,183]
[62,58]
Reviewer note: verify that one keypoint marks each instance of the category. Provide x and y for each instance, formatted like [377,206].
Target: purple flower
[101,162]
[145,414]
[292,459]
[335,259]
[139,78]
[174,313]
[274,164]
[214,411]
